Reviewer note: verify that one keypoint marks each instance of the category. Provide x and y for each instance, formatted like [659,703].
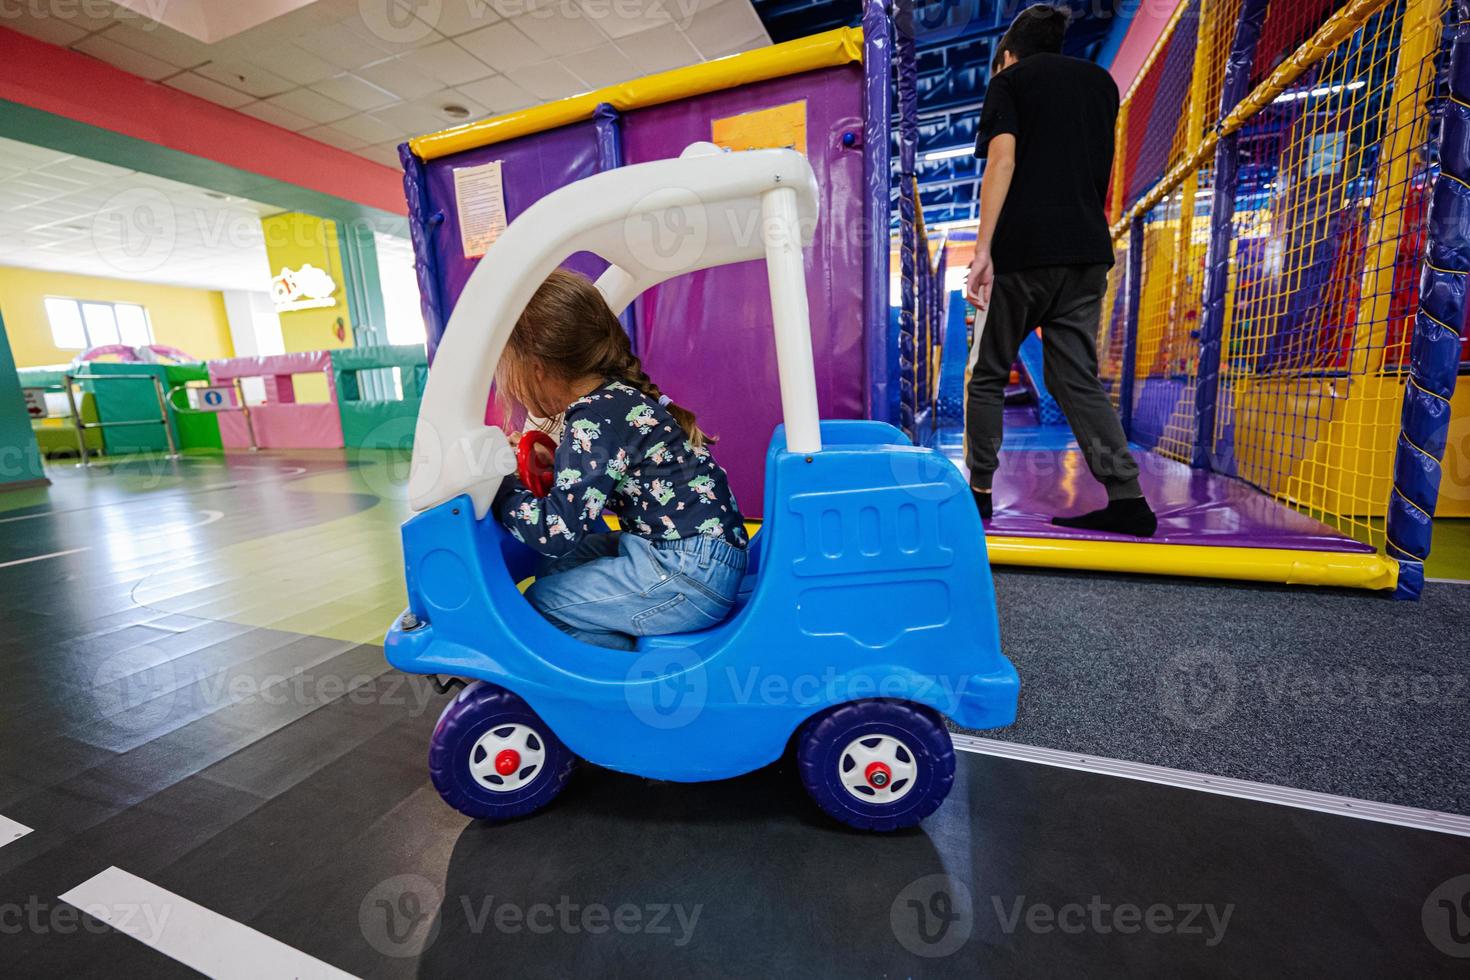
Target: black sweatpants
[1066,302]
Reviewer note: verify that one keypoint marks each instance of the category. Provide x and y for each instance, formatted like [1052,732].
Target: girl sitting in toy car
[627,449]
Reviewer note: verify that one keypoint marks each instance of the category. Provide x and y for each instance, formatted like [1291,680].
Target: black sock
[1132,516]
[983,503]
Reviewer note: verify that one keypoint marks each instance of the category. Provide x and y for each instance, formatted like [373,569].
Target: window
[80,324]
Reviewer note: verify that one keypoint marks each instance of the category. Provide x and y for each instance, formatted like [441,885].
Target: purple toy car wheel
[493,758]
[876,765]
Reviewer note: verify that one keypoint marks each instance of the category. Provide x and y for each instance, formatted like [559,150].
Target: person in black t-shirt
[1042,256]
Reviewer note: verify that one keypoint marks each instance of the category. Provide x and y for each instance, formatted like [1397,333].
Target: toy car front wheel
[876,765]
[493,758]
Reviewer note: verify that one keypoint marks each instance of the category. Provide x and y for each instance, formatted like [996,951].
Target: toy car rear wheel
[876,765]
[493,758]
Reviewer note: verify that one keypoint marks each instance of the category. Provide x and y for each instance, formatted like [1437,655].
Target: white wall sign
[35,402]
[215,398]
[479,197]
[306,288]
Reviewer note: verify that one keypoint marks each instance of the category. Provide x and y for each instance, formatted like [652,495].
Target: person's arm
[586,474]
[995,143]
[994,187]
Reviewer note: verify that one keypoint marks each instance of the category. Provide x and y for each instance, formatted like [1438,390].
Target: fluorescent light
[1318,93]
[949,154]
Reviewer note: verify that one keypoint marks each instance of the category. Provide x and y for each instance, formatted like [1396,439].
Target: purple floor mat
[1034,485]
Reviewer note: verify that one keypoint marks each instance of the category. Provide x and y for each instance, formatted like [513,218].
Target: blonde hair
[569,330]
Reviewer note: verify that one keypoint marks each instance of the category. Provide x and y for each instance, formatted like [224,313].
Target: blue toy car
[867,616]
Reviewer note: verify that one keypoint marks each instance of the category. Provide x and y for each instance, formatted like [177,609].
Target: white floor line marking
[10,831]
[190,933]
[172,527]
[54,554]
[29,517]
[1449,581]
[1342,806]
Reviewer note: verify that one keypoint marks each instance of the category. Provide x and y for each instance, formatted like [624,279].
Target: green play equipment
[371,420]
[56,435]
[128,398]
[198,430]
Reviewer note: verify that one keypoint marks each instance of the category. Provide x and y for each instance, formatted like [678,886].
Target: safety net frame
[1289,227]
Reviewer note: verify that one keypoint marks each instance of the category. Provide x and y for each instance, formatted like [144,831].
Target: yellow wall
[192,320]
[291,240]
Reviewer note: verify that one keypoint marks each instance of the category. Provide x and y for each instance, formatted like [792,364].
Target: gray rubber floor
[1339,692]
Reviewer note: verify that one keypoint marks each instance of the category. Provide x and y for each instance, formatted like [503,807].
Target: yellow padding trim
[1330,568]
[828,49]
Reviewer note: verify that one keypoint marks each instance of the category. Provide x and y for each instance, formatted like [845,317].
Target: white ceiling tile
[353,91]
[52,30]
[161,42]
[457,17]
[601,66]
[502,47]
[313,105]
[208,88]
[276,116]
[218,242]
[498,94]
[517,8]
[724,26]
[121,56]
[402,32]
[400,78]
[659,49]
[248,78]
[560,29]
[384,153]
[547,81]
[738,47]
[333,136]
[345,49]
[90,17]
[366,128]
[447,62]
[619,18]
[293,63]
[87,172]
[425,115]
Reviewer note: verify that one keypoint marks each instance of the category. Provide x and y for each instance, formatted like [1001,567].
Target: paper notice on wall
[480,198]
[774,128]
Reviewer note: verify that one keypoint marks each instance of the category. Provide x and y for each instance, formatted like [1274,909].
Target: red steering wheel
[535,474]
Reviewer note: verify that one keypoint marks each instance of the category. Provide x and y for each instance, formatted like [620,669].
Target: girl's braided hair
[569,329]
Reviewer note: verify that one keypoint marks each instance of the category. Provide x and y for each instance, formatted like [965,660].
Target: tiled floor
[194,696]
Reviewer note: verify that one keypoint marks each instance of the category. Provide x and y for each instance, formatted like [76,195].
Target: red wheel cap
[878,775]
[507,761]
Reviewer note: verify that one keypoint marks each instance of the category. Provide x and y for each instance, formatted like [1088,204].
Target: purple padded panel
[706,337]
[1042,475]
[532,167]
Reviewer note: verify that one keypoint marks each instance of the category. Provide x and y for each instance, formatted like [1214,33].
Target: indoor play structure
[117,392]
[1282,331]
[855,514]
[1288,174]
[1260,362]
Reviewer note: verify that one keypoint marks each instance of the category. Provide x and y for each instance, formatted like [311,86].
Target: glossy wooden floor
[193,693]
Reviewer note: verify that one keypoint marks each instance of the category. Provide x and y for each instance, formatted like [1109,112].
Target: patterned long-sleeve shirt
[622,452]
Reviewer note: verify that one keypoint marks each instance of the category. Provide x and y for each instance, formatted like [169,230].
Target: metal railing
[69,382]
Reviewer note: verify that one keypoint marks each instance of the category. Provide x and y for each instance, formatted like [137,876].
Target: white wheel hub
[507,758]
[877,769]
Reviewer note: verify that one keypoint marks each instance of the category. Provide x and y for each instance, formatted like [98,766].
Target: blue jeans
[614,587]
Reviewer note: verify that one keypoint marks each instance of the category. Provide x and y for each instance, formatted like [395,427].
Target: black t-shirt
[1061,111]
